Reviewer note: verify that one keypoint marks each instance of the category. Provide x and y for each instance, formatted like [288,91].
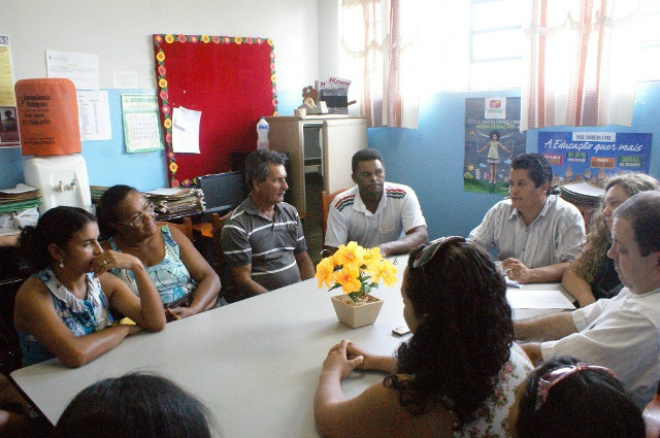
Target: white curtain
[379,56]
[580,61]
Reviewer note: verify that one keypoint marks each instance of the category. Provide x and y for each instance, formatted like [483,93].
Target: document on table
[537,299]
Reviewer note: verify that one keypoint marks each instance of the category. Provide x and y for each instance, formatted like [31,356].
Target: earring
[62,263]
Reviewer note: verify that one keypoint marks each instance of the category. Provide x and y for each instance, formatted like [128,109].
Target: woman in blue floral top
[64,309]
[456,376]
[178,270]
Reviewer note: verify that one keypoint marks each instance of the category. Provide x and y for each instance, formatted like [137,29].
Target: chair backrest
[326,199]
[652,416]
[218,256]
[185,227]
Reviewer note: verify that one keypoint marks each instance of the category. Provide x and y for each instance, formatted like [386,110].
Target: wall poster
[9,135]
[492,138]
[594,156]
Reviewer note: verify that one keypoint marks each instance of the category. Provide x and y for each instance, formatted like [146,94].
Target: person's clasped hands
[342,358]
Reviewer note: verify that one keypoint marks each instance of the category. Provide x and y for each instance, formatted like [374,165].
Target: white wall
[119,31]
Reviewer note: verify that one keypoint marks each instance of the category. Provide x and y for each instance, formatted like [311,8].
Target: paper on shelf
[537,299]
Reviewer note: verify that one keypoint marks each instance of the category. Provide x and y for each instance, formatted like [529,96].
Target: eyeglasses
[428,252]
[556,375]
[149,209]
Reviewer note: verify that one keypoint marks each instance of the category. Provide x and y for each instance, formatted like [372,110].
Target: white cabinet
[322,144]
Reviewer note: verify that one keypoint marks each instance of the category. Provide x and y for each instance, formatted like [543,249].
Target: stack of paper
[176,203]
[18,208]
[19,198]
[582,194]
[97,192]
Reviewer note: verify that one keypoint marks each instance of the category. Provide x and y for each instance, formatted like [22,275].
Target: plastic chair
[326,199]
[651,416]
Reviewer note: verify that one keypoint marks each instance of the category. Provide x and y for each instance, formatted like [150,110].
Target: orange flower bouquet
[355,270]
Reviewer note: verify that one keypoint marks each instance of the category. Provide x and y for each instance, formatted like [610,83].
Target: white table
[254,363]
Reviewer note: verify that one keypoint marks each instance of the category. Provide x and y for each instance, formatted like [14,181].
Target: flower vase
[356,315]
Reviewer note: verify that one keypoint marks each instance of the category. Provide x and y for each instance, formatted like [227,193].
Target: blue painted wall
[430,159]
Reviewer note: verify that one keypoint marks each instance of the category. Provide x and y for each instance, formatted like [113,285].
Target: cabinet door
[342,139]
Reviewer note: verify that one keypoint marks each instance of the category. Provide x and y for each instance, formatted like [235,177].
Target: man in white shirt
[535,234]
[375,212]
[621,333]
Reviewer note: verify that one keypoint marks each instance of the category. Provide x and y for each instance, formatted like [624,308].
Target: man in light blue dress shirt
[535,234]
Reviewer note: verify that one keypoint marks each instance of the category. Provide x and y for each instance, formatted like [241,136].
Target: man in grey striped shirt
[263,242]
[621,333]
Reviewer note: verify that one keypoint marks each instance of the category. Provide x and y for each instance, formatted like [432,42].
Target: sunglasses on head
[431,248]
[556,375]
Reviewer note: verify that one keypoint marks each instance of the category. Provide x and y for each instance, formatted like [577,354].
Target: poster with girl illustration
[492,138]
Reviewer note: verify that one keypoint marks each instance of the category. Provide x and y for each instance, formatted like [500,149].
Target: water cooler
[50,141]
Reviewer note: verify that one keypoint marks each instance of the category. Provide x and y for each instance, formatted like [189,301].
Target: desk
[254,363]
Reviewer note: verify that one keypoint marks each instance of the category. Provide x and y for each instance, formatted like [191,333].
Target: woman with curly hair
[456,376]
[592,276]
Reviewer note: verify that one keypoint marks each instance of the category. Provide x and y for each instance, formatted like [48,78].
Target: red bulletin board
[231,80]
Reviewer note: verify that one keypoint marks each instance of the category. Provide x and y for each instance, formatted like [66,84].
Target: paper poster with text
[594,156]
[492,138]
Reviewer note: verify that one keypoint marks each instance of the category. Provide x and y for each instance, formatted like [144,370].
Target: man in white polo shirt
[374,212]
[621,333]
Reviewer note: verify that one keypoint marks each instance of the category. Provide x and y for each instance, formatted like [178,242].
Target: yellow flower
[162,83]
[351,268]
[371,258]
[205,38]
[167,123]
[350,255]
[324,272]
[160,56]
[238,40]
[386,271]
[174,167]
[169,39]
[349,278]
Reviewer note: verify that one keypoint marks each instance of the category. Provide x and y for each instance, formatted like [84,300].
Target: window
[478,44]
[650,41]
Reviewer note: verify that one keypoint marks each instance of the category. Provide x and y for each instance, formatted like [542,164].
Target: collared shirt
[621,333]
[269,245]
[349,219]
[554,237]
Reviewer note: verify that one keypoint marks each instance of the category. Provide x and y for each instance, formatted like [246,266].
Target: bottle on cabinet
[262,133]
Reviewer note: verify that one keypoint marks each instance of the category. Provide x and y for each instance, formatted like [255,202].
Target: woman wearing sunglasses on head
[456,376]
[179,271]
[568,399]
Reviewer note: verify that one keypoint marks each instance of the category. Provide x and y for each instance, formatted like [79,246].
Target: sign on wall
[594,156]
[492,138]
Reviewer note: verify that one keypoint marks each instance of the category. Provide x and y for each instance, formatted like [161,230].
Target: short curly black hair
[464,337]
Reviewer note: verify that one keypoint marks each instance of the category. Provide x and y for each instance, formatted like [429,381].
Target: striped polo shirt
[249,237]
